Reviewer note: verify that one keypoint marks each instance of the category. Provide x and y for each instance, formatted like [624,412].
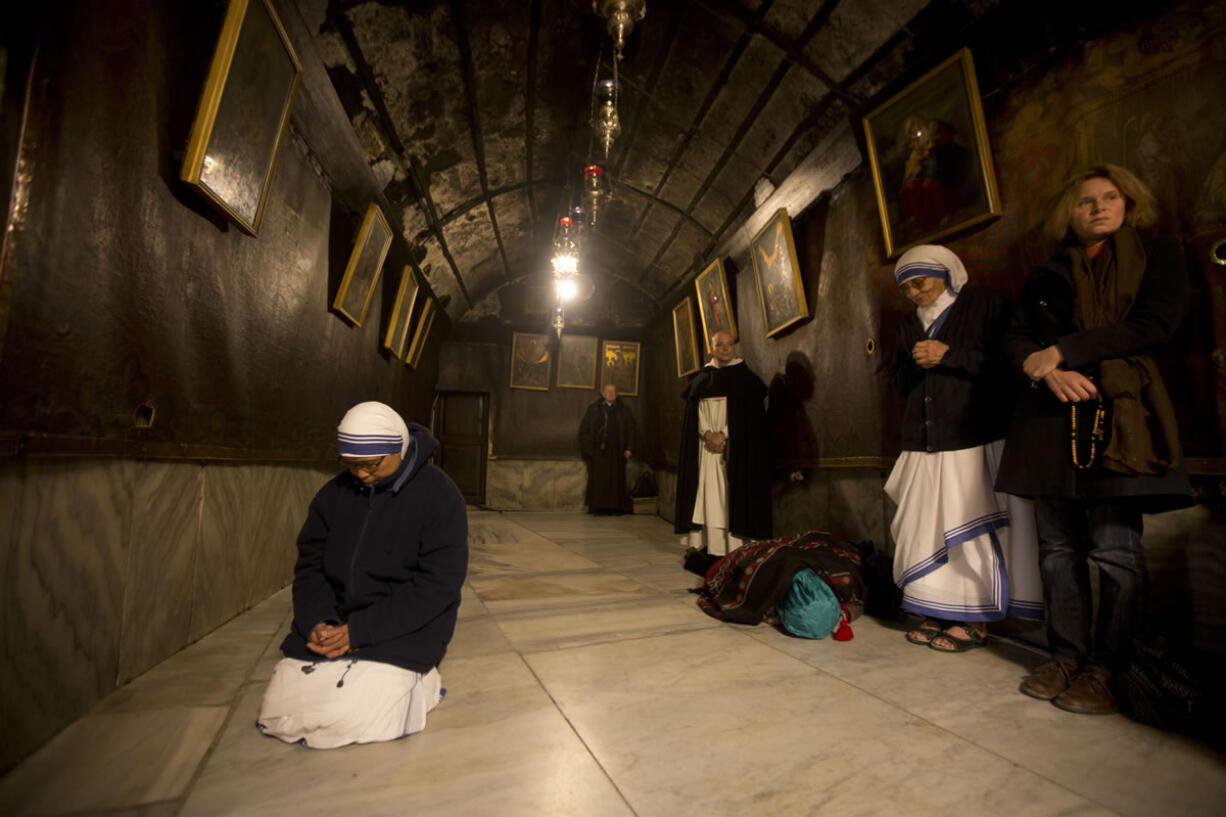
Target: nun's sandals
[974,639]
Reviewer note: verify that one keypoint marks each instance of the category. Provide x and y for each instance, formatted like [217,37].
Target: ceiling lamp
[605,121]
[565,249]
[621,16]
[595,191]
[565,262]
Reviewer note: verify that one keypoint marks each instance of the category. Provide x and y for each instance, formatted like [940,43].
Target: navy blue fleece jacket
[387,559]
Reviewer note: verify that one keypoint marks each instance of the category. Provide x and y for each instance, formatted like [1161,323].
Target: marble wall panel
[666,482]
[12,484]
[504,485]
[270,542]
[847,502]
[222,564]
[857,505]
[62,603]
[798,506]
[1186,555]
[161,564]
[535,485]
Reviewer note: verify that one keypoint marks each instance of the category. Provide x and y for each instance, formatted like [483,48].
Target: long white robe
[962,551]
[326,704]
[711,501]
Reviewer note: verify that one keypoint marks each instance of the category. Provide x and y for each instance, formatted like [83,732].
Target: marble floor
[584,682]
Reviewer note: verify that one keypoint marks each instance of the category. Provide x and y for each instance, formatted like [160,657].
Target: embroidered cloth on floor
[962,551]
[749,582]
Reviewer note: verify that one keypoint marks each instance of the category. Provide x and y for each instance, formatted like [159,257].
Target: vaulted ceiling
[474,117]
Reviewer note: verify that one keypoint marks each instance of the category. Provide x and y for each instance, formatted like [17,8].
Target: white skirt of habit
[326,704]
[962,551]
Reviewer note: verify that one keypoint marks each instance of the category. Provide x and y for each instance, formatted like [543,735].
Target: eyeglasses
[368,466]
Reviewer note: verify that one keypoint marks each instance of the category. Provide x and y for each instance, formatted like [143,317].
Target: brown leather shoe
[1049,680]
[1088,695]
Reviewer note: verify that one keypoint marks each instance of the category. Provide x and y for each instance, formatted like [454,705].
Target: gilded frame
[239,128]
[620,366]
[577,362]
[714,305]
[364,267]
[413,356]
[776,271]
[530,359]
[684,342]
[402,312]
[932,165]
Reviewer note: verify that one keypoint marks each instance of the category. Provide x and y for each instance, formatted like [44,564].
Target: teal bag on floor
[810,610]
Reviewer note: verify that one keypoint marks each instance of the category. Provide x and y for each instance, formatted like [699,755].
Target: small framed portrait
[620,366]
[240,122]
[714,305]
[932,167]
[365,265]
[577,362]
[684,340]
[402,311]
[413,356]
[529,361]
[777,274]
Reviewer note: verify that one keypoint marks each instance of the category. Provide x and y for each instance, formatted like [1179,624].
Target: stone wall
[535,484]
[112,565]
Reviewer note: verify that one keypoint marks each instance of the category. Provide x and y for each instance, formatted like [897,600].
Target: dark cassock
[605,435]
[724,498]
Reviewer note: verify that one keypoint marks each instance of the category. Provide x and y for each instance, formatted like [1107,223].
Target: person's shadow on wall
[793,441]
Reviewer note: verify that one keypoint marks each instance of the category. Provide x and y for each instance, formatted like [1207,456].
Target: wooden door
[461,425]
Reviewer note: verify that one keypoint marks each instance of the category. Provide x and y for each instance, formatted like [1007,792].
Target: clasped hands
[1068,386]
[329,640]
[715,441]
[929,353]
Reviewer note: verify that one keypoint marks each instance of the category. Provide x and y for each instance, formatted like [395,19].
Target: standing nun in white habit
[964,554]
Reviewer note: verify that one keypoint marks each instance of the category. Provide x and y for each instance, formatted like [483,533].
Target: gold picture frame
[364,267]
[402,312]
[413,356]
[714,303]
[776,271]
[932,166]
[620,366]
[684,341]
[240,123]
[530,357]
[577,362]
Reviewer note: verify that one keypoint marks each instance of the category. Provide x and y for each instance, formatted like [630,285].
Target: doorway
[462,427]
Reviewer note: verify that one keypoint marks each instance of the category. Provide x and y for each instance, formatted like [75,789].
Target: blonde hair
[1141,208]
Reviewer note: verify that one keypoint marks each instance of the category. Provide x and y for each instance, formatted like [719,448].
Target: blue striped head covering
[933,261]
[371,430]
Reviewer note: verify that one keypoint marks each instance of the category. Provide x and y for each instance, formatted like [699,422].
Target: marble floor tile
[672,718]
[533,631]
[989,711]
[115,760]
[470,603]
[476,637]
[504,548]
[503,593]
[521,755]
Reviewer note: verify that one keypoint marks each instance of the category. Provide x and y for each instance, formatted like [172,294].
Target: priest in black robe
[606,438]
[723,472]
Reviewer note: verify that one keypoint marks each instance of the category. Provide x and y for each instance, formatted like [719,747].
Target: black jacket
[1037,461]
[746,456]
[387,559]
[966,400]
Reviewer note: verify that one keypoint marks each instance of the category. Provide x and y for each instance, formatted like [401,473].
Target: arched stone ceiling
[474,118]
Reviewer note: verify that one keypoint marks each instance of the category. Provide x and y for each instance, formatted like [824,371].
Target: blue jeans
[1107,531]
